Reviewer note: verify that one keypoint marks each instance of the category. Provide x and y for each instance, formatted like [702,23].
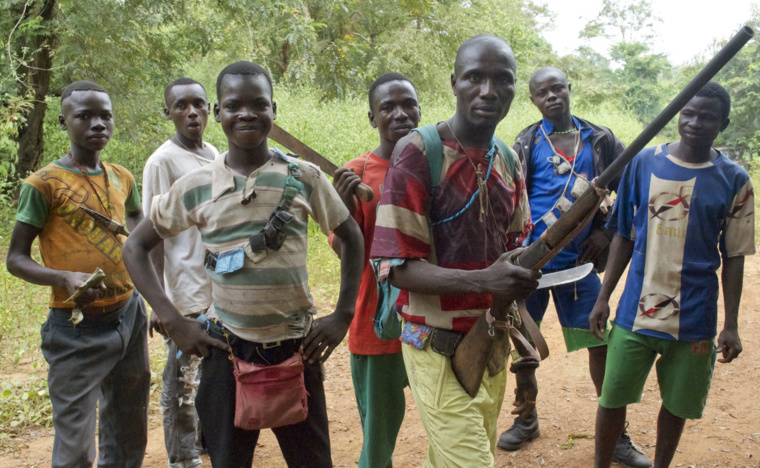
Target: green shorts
[684,371]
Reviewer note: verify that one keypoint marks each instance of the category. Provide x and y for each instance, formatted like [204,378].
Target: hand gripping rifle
[478,347]
[295,145]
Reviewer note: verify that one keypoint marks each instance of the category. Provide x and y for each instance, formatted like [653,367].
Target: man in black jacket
[561,154]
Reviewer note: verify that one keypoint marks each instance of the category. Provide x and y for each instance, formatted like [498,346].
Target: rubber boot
[522,431]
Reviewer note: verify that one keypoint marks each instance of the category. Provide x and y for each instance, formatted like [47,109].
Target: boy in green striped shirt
[252,207]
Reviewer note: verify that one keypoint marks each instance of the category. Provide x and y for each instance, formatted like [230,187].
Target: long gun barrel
[477,347]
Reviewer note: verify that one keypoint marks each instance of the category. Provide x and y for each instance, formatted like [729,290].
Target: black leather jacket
[606,147]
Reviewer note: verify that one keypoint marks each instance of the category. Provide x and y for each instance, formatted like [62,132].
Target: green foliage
[623,21]
[23,307]
[12,116]
[643,73]
[24,402]
[640,77]
[741,78]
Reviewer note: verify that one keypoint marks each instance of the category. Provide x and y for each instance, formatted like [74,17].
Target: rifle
[478,347]
[295,145]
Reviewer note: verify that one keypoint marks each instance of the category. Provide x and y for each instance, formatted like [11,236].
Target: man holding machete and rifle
[448,249]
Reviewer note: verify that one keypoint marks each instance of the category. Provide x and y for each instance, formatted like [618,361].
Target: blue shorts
[574,302]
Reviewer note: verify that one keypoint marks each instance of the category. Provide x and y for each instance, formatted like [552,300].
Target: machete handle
[364,192]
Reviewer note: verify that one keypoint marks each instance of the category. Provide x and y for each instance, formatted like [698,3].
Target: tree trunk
[37,78]
[285,56]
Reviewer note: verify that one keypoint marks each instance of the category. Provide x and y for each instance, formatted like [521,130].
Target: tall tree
[31,41]
[631,28]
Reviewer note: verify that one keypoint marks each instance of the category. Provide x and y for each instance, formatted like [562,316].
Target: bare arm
[20,263]
[344,182]
[502,277]
[621,251]
[157,258]
[187,333]
[732,278]
[133,218]
[327,332]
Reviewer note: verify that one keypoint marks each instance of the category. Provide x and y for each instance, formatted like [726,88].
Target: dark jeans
[305,444]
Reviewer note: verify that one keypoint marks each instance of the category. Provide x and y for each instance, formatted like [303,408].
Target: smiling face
[245,110]
[700,121]
[395,110]
[550,93]
[87,116]
[484,83]
[188,108]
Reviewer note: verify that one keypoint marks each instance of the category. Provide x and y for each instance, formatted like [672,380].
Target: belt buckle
[272,344]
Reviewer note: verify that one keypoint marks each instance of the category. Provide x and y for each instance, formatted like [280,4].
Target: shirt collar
[223,178]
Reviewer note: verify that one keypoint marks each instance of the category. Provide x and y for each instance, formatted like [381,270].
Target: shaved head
[543,73]
[481,41]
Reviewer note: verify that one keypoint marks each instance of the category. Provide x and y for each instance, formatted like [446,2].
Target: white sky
[687,30]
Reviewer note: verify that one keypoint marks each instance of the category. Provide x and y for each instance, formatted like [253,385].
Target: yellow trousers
[461,430]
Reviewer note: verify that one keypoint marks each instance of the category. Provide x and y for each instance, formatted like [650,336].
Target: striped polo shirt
[269,300]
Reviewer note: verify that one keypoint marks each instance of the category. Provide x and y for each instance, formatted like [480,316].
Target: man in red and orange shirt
[377,366]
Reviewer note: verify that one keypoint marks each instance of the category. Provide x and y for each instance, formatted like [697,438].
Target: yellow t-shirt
[70,239]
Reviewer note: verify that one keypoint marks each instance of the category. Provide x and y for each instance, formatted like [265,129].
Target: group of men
[221,259]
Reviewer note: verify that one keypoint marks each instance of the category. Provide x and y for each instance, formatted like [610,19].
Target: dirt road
[727,436]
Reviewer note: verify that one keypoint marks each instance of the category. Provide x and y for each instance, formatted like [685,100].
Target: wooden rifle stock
[469,362]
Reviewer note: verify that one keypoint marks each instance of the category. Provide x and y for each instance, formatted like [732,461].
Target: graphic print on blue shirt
[546,188]
[682,217]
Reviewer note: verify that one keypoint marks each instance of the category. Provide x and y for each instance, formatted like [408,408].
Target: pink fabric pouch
[269,396]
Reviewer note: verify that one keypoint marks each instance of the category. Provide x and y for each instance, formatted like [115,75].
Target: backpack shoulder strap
[433,151]
[510,157]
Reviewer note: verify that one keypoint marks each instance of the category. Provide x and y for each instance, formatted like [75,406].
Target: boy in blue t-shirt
[680,208]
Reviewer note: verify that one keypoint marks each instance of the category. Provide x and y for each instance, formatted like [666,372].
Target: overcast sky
[687,30]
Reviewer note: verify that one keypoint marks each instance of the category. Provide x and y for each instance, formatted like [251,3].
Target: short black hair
[81,85]
[541,72]
[714,90]
[242,68]
[482,39]
[179,82]
[387,78]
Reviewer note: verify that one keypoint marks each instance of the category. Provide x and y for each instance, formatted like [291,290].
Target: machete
[478,347]
[295,145]
[106,222]
[571,275]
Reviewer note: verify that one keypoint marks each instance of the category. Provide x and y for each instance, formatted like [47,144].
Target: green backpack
[387,322]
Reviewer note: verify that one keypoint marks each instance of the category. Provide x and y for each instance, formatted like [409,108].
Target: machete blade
[570,275]
[279,135]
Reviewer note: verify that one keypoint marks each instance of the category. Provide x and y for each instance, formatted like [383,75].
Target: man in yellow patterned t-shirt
[104,358]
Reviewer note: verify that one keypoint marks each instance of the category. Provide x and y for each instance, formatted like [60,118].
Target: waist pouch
[269,391]
[269,396]
[445,342]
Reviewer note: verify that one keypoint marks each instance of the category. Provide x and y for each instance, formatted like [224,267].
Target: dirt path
[727,436]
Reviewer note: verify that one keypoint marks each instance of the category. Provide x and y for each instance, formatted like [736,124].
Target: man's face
[395,110]
[484,83]
[87,116]
[700,121]
[187,107]
[550,93]
[245,110]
